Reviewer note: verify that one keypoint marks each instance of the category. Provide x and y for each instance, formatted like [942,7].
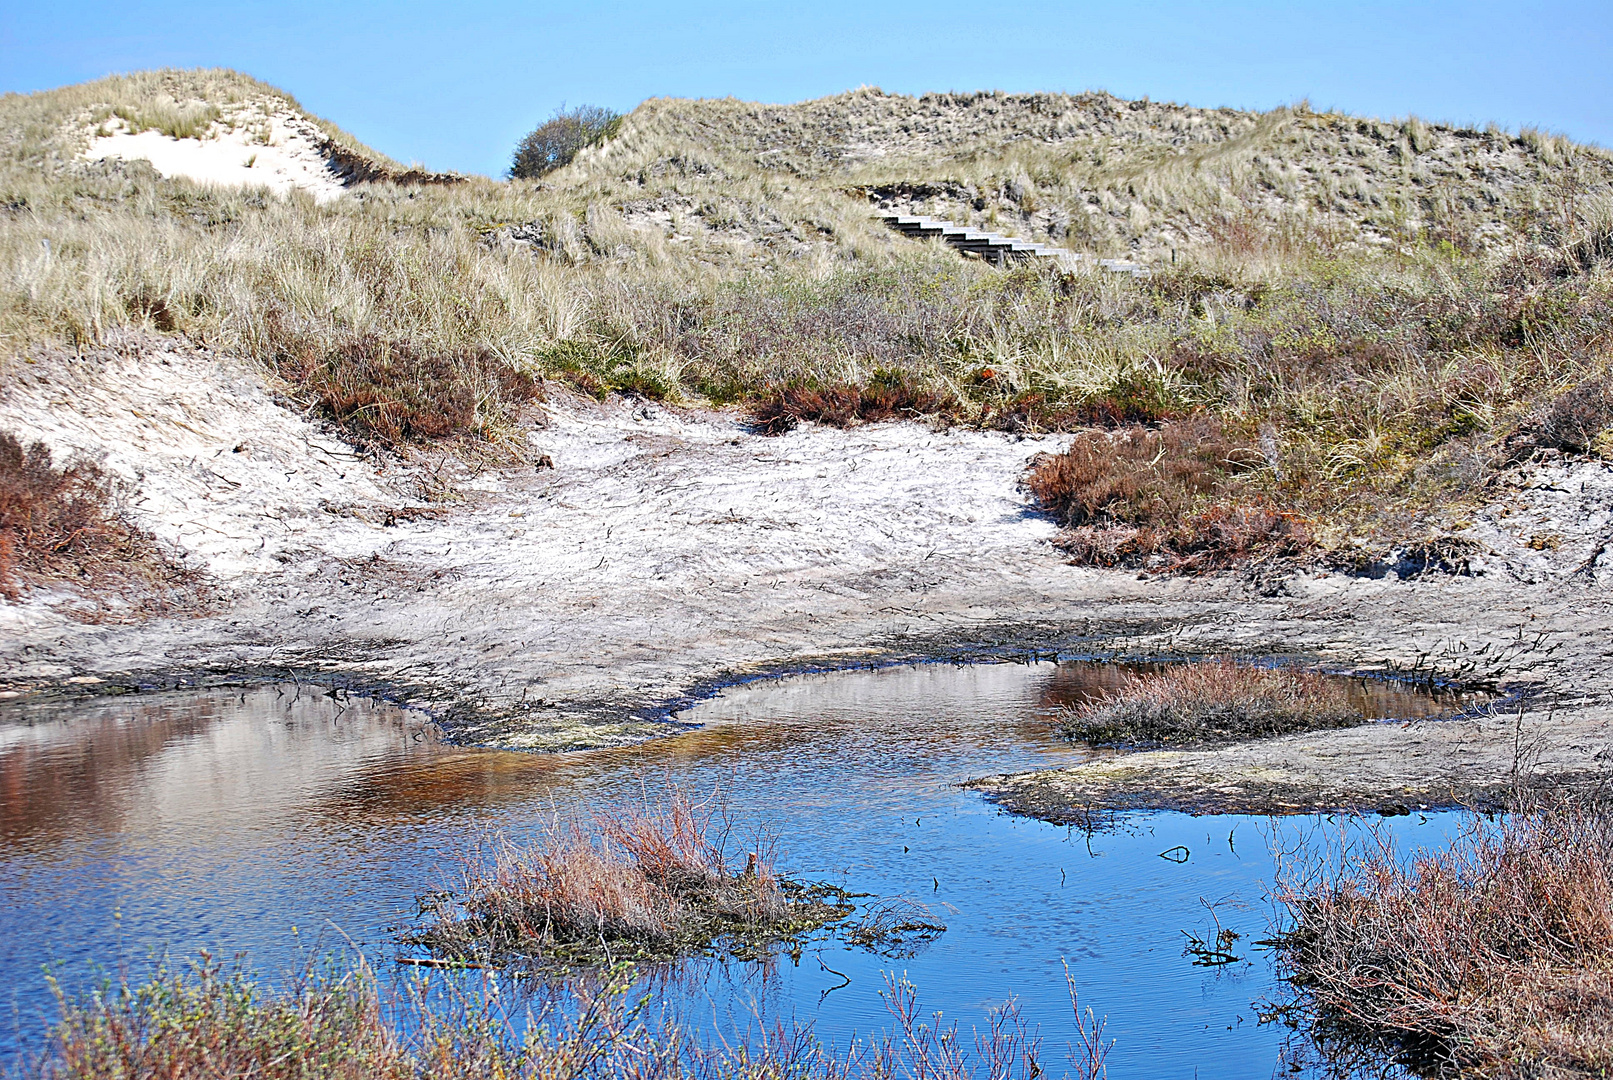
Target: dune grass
[1494,958]
[1381,310]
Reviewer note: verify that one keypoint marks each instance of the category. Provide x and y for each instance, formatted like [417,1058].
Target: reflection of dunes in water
[209,762]
[69,774]
[872,720]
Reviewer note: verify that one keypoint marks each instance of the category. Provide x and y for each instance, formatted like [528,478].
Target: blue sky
[455,85]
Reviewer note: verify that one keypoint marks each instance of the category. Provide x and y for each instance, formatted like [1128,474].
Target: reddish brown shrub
[1494,958]
[59,524]
[1167,498]
[886,397]
[1135,476]
[384,393]
[1216,538]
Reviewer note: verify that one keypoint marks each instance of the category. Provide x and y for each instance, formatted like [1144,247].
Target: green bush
[555,142]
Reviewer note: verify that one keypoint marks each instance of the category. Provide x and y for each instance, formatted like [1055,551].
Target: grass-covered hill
[1364,319]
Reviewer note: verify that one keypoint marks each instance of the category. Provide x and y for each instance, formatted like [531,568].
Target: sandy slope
[666,551]
[280,152]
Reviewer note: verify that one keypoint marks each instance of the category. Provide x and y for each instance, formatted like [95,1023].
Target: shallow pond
[224,819]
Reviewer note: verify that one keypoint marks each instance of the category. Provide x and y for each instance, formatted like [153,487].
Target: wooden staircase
[1000,250]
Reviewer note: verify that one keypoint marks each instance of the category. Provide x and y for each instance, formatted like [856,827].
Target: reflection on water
[224,819]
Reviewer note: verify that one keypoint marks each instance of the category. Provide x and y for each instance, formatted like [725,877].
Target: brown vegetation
[1574,420]
[1167,498]
[214,1021]
[640,884]
[1211,701]
[886,397]
[384,394]
[61,525]
[1494,958]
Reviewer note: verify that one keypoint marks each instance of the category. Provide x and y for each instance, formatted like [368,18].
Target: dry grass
[1494,958]
[60,525]
[1392,302]
[649,883]
[213,1021]
[1211,701]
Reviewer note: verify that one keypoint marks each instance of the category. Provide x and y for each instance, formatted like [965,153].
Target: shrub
[556,141]
[1494,958]
[60,524]
[1573,420]
[648,883]
[1166,498]
[888,396]
[1211,702]
[386,393]
[1135,475]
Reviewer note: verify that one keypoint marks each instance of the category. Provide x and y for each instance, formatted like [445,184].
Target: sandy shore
[669,551]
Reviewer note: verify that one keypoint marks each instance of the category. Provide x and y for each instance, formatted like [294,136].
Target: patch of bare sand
[277,150]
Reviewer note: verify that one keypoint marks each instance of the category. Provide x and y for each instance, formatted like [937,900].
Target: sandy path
[667,551]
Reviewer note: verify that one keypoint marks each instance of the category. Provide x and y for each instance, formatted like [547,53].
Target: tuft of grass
[650,883]
[1491,959]
[60,525]
[1210,702]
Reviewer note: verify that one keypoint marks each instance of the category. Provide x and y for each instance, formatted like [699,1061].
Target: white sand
[290,161]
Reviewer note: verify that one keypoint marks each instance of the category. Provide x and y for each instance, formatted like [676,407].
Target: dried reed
[1211,701]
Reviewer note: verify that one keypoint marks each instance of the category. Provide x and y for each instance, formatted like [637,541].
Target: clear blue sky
[454,85]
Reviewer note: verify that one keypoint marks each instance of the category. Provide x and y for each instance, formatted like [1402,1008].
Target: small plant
[1195,703]
[556,141]
[60,524]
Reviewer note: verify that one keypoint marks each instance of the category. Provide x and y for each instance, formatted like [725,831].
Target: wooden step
[1000,249]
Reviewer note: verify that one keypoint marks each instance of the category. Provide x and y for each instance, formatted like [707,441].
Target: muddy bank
[656,553]
[1390,768]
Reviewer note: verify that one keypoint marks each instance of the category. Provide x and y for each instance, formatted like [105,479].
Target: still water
[272,820]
